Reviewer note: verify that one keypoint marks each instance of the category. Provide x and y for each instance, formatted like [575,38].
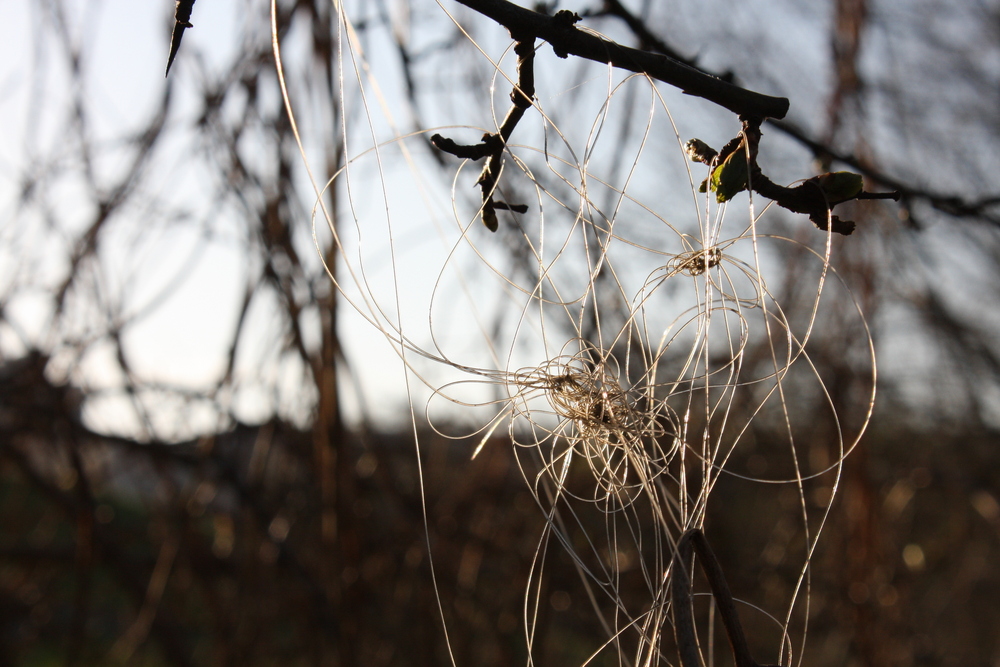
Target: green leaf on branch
[730,177]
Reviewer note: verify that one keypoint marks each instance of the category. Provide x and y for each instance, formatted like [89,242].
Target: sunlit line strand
[293,124]
[731,383]
[555,517]
[839,468]
[379,321]
[813,541]
[773,389]
[787,419]
[298,139]
[386,109]
[402,351]
[639,151]
[500,274]
[372,306]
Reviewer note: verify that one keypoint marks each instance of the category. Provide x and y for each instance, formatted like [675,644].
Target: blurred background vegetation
[196,471]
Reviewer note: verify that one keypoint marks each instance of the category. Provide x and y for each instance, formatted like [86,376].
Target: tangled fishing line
[630,352]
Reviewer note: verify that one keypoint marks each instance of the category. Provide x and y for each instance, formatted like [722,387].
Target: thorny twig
[182,20]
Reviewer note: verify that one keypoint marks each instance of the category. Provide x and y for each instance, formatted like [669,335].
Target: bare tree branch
[565,39]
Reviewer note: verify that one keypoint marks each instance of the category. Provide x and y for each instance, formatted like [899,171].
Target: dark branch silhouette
[566,39]
[493,144]
[812,197]
[687,641]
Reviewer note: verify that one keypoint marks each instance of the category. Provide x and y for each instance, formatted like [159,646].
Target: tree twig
[687,641]
[566,39]
[493,144]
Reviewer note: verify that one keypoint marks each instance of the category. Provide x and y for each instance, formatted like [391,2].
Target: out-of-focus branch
[648,41]
[949,204]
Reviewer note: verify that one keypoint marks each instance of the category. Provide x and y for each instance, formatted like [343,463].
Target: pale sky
[182,341]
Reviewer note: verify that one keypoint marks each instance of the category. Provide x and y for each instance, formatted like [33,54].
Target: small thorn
[182,21]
